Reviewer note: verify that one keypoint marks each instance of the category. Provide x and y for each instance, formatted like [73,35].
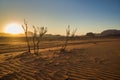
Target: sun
[14,28]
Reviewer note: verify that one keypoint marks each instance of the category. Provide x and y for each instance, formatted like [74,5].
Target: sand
[91,60]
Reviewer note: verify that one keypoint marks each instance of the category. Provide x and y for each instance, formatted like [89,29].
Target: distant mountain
[90,34]
[111,32]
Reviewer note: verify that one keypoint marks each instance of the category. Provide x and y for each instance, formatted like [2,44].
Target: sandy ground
[89,61]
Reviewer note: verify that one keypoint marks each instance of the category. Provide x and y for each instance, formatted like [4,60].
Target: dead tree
[34,39]
[41,32]
[73,33]
[25,28]
[63,48]
[66,39]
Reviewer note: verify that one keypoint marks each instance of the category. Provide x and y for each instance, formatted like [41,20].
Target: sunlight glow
[14,28]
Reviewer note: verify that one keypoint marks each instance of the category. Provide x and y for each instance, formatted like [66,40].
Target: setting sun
[14,28]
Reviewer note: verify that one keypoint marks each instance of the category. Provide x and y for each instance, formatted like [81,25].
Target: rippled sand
[88,61]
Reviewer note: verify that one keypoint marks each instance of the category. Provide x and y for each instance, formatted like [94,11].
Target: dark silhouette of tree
[41,32]
[34,38]
[25,28]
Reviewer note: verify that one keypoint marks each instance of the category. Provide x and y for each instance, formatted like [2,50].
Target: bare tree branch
[25,28]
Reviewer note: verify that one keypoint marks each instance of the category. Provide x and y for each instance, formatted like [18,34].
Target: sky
[85,15]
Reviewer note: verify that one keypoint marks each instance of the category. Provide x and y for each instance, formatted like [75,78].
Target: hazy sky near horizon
[85,15]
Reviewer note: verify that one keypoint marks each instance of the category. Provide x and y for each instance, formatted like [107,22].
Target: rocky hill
[111,32]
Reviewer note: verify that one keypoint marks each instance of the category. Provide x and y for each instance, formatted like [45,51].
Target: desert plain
[84,59]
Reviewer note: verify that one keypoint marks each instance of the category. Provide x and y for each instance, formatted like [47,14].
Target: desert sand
[83,60]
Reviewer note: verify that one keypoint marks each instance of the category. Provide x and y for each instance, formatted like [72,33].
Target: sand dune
[93,61]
